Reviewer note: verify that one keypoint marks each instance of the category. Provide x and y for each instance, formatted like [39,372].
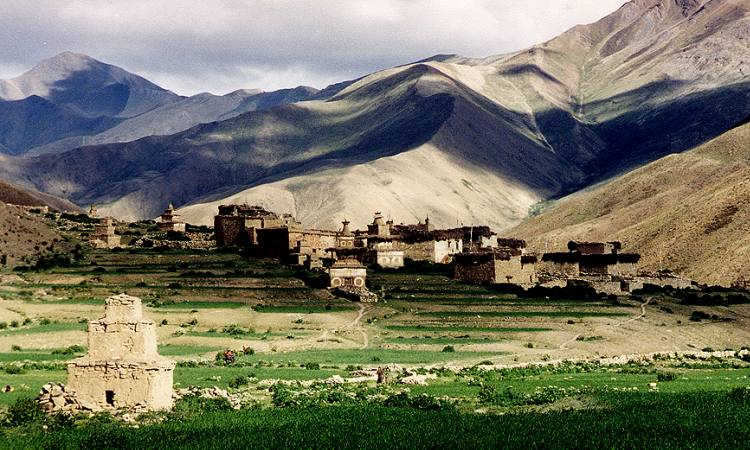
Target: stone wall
[315,242]
[122,384]
[479,271]
[514,271]
[392,259]
[347,276]
[230,231]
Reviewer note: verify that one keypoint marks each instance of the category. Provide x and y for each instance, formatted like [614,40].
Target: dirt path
[643,313]
[356,324]
[564,345]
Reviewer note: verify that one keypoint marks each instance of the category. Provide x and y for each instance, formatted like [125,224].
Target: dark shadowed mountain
[72,100]
[458,139]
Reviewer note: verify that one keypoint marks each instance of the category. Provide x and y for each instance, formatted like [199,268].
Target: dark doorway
[110,397]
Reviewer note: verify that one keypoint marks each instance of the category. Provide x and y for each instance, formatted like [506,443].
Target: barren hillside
[24,237]
[15,195]
[688,212]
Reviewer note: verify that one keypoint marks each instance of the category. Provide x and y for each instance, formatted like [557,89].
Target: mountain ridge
[543,122]
[688,212]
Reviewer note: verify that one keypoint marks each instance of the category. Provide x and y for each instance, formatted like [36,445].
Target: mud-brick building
[170,220]
[347,273]
[122,368]
[104,234]
[594,259]
[496,266]
[237,225]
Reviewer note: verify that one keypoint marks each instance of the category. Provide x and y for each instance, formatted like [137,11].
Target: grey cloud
[222,45]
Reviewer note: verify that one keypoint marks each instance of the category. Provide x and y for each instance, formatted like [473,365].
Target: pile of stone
[213,392]
[55,398]
[417,379]
[357,294]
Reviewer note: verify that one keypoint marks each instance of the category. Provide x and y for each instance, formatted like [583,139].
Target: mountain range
[461,140]
[72,100]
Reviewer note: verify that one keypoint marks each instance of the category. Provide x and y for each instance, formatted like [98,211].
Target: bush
[16,348]
[740,393]
[192,406]
[14,324]
[448,349]
[23,412]
[666,376]
[3,325]
[14,370]
[697,316]
[312,366]
[70,350]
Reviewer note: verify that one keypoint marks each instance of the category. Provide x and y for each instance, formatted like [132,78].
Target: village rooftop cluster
[478,254]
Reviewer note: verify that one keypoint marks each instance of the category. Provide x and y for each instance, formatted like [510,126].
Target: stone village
[477,254]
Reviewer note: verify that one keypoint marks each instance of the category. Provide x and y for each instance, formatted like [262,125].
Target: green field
[477,329]
[633,421]
[575,314]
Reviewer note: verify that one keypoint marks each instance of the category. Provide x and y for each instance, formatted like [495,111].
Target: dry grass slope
[688,212]
[15,195]
[23,237]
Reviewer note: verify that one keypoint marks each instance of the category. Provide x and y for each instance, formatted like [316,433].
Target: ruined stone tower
[122,368]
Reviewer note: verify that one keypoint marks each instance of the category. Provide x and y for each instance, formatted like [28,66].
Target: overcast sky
[192,46]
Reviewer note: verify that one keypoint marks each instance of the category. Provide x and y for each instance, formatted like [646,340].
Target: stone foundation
[100,384]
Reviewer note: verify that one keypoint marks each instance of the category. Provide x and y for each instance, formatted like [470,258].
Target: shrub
[45,321]
[697,316]
[15,348]
[312,366]
[666,376]
[70,350]
[14,324]
[27,321]
[740,393]
[237,382]
[23,412]
[164,322]
[448,349]
[174,286]
[192,405]
[3,325]
[14,370]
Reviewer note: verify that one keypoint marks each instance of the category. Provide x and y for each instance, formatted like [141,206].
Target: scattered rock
[54,397]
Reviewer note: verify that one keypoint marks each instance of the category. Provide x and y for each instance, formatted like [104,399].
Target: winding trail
[641,316]
[357,324]
[564,345]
